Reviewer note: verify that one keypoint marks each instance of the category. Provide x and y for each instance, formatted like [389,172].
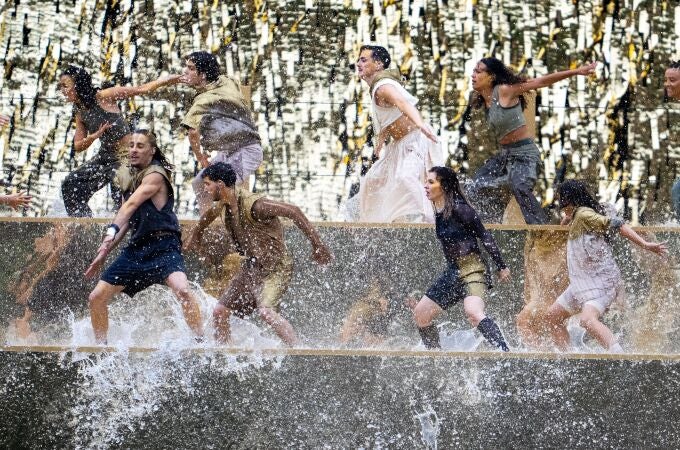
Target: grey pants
[81,184]
[514,169]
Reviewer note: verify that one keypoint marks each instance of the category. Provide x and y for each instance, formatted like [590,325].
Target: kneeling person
[153,254]
[266,266]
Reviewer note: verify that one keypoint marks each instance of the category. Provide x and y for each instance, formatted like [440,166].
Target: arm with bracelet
[150,186]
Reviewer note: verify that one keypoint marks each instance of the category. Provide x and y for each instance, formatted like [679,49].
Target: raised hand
[16,201]
[322,254]
[588,69]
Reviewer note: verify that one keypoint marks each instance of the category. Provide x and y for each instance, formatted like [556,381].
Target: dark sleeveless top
[148,221]
[459,233]
[93,118]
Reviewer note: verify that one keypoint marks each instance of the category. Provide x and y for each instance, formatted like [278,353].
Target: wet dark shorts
[141,265]
[459,281]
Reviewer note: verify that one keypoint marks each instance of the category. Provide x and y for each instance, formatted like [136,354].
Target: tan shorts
[251,289]
[275,284]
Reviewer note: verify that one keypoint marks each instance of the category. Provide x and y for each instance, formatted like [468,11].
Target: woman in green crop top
[499,90]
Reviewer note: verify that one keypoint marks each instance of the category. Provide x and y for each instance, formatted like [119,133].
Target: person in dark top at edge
[499,91]
[97,116]
[153,254]
[466,278]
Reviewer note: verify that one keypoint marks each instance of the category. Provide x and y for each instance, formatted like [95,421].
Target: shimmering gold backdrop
[312,111]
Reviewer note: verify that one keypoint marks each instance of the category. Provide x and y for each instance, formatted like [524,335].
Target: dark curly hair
[576,193]
[501,74]
[85,91]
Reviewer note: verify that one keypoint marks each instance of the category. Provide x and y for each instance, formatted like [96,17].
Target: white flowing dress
[393,188]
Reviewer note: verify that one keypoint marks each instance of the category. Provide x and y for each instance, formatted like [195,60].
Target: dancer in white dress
[392,189]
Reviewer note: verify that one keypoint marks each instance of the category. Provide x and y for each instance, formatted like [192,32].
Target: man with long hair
[153,254]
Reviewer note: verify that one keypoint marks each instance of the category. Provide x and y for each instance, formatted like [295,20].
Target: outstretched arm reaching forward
[266,208]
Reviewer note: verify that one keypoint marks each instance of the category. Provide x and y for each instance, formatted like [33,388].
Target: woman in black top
[459,230]
[97,116]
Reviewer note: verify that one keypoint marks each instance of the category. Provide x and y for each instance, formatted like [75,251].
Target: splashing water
[120,390]
[429,427]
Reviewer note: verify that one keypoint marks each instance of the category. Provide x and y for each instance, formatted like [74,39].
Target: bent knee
[267,314]
[422,315]
[221,312]
[587,321]
[96,298]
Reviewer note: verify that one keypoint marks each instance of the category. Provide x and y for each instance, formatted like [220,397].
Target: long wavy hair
[85,91]
[501,74]
[576,193]
[448,180]
[158,154]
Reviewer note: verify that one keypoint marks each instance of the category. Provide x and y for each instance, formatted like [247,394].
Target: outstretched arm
[472,221]
[123,92]
[15,201]
[660,248]
[151,185]
[265,209]
[208,217]
[514,90]
[391,96]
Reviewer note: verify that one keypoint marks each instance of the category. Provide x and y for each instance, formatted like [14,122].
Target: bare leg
[474,309]
[556,317]
[177,281]
[531,325]
[281,326]
[99,309]
[425,312]
[221,316]
[590,320]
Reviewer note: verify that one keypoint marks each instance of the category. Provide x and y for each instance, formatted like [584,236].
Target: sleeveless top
[383,117]
[93,118]
[503,120]
[269,232]
[148,220]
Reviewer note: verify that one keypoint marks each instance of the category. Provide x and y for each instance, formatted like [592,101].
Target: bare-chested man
[266,267]
[153,254]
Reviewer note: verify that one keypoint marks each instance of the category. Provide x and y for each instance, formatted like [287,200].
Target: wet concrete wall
[314,401]
[43,264]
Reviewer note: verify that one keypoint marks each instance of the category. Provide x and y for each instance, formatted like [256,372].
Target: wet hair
[82,80]
[158,153]
[448,180]
[501,74]
[378,53]
[206,63]
[576,193]
[220,172]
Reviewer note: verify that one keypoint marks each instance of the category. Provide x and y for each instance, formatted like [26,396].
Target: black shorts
[466,278]
[141,265]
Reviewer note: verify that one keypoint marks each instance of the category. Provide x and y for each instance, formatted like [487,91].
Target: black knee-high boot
[492,333]
[430,336]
